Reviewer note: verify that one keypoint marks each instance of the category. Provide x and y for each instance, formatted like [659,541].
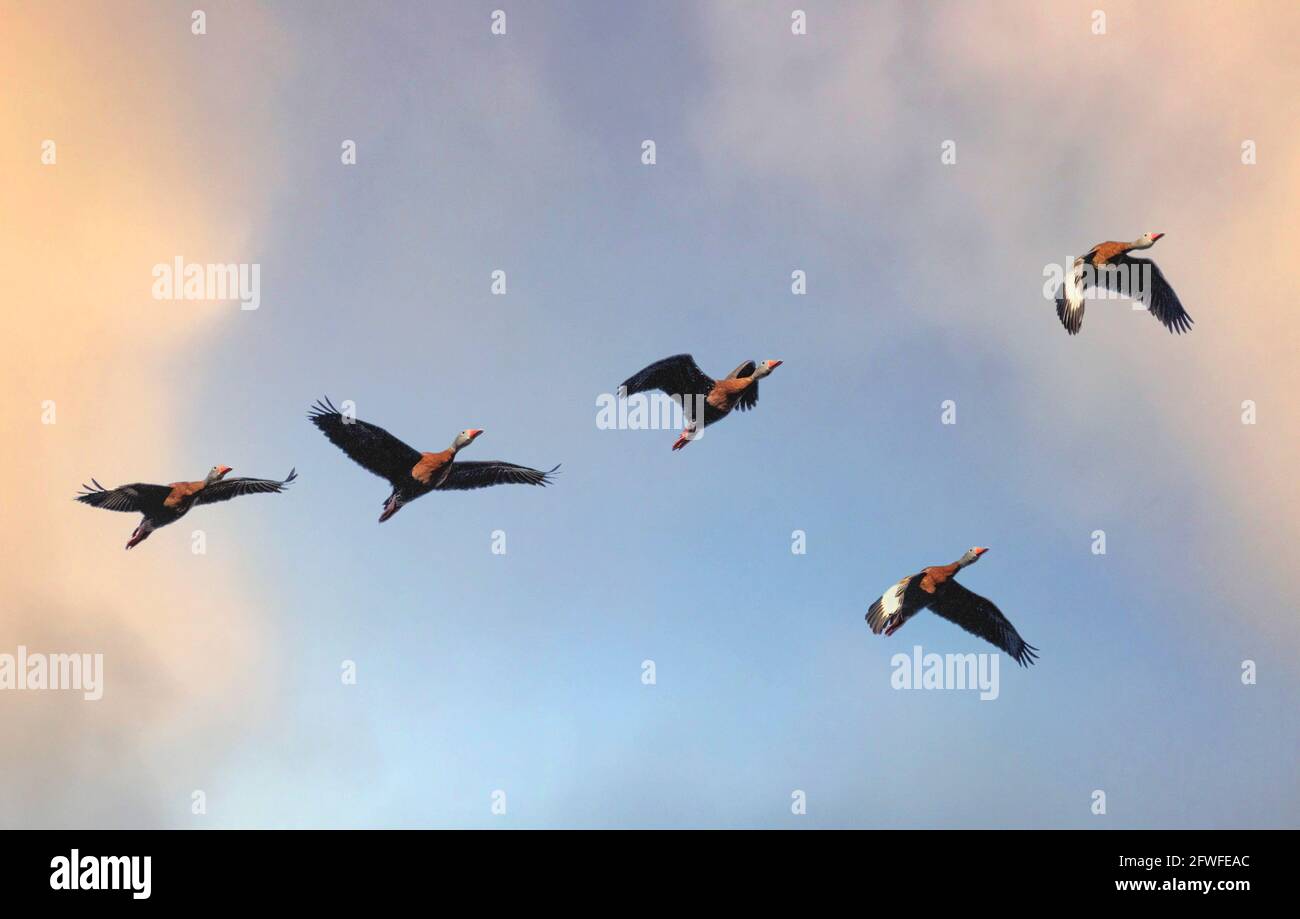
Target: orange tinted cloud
[87,347]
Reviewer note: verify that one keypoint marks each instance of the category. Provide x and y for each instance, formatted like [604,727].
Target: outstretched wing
[467,475]
[900,602]
[369,445]
[233,488]
[139,496]
[980,617]
[1069,298]
[678,375]
[1157,294]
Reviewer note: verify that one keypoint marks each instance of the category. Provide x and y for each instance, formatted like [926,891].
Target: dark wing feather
[368,445]
[746,369]
[1072,319]
[749,398]
[139,496]
[233,488]
[1159,296]
[980,617]
[678,375]
[464,476]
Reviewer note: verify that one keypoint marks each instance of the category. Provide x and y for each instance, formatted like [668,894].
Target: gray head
[766,367]
[1146,240]
[465,438]
[216,473]
[972,556]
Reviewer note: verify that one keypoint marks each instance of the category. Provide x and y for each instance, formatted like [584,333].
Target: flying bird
[412,473]
[164,504]
[1109,265]
[698,393]
[935,588]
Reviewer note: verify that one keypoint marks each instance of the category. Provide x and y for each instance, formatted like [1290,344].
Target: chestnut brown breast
[725,393]
[1106,251]
[182,492]
[934,577]
[430,467]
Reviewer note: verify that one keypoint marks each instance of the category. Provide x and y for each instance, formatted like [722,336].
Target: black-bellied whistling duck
[935,588]
[682,379]
[164,504]
[411,472]
[1109,264]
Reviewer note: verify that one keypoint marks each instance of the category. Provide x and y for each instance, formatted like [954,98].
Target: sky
[517,678]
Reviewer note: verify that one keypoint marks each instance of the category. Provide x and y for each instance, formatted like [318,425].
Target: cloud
[83,339]
[1064,138]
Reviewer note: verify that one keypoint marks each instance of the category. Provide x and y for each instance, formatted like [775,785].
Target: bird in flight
[935,588]
[164,504]
[703,399]
[411,473]
[1110,265]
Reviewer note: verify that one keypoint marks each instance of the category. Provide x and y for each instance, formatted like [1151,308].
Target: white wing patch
[1074,289]
[892,600]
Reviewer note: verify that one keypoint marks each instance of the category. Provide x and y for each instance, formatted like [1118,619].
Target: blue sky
[521,672]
